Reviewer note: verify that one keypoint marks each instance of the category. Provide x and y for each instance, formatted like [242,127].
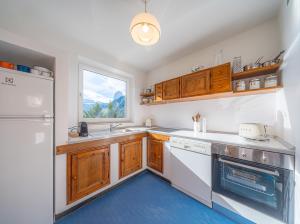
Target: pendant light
[144,28]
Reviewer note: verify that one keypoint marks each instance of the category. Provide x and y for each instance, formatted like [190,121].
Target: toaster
[253,131]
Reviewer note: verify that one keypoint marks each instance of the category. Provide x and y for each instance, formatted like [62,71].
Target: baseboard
[161,177]
[89,200]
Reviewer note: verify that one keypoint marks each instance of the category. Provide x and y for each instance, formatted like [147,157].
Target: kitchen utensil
[256,66]
[268,63]
[271,81]
[23,68]
[277,58]
[196,126]
[247,67]
[254,84]
[35,71]
[46,74]
[258,60]
[41,69]
[6,64]
[253,131]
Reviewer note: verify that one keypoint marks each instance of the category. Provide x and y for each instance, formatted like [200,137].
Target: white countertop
[273,144]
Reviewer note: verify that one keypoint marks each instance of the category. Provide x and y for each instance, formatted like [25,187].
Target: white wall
[289,99]
[66,94]
[222,114]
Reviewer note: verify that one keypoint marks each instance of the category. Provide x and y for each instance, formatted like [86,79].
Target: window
[104,97]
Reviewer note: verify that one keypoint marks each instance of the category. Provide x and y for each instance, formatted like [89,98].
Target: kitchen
[191,107]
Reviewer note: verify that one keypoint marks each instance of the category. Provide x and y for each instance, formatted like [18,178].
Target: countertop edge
[290,149]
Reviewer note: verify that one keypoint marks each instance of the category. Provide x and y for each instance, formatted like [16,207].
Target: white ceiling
[187,25]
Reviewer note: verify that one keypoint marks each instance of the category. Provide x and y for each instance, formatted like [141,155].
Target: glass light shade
[145,29]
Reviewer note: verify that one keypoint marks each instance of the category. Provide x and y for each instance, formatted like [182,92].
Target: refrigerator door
[24,95]
[26,171]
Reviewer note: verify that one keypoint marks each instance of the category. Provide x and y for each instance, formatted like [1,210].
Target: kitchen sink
[107,133]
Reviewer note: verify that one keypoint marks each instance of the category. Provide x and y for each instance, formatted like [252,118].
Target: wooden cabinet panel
[158,92]
[171,89]
[195,84]
[220,79]
[88,171]
[130,157]
[155,154]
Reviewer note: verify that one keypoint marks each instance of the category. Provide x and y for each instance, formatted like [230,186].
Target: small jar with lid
[254,84]
[271,81]
[240,85]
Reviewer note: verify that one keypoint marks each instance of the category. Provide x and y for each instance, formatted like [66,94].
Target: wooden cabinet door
[88,171]
[155,154]
[130,154]
[158,92]
[195,84]
[221,79]
[171,89]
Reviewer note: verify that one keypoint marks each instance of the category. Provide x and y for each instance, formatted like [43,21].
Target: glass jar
[271,81]
[254,84]
[240,85]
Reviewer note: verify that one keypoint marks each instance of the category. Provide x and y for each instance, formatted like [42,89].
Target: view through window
[103,96]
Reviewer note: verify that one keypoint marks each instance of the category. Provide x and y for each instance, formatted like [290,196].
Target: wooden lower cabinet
[130,154]
[87,171]
[155,154]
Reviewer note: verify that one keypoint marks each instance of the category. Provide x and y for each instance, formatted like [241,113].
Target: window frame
[111,73]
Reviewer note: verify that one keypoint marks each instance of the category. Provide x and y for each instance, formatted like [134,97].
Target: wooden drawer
[195,84]
[220,79]
[171,89]
[159,137]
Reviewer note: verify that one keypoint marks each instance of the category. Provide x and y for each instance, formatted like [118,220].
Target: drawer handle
[275,173]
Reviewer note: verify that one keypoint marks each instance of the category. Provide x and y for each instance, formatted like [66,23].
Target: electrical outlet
[9,81]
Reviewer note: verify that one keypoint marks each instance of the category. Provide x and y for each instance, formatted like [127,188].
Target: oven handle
[275,173]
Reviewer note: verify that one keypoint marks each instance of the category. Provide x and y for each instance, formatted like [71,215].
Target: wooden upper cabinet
[195,84]
[88,171]
[130,154]
[158,92]
[171,89]
[220,80]
[155,154]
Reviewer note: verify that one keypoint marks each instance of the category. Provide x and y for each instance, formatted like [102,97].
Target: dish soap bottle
[204,125]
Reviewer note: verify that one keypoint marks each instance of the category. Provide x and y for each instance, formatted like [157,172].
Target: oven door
[259,186]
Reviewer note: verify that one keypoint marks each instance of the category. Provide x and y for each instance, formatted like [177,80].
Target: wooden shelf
[256,72]
[147,94]
[219,95]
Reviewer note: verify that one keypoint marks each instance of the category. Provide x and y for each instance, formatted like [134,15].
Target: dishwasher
[191,168]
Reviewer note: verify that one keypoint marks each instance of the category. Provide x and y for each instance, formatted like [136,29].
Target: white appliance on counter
[253,131]
[26,147]
[191,168]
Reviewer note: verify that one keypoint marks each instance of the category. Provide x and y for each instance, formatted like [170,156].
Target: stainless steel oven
[260,179]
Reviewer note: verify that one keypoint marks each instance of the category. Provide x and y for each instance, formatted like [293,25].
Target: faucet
[112,126]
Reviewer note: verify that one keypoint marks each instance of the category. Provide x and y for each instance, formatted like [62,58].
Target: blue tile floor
[145,199]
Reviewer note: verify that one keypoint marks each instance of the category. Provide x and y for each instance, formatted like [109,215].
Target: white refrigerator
[26,148]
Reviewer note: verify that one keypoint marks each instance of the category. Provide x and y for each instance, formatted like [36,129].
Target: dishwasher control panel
[191,145]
